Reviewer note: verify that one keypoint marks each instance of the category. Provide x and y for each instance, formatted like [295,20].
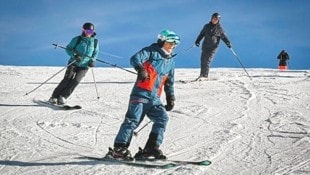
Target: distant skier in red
[283,57]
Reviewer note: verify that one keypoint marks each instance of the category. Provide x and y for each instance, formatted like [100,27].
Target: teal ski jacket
[85,48]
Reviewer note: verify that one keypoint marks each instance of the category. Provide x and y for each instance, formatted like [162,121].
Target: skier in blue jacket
[155,66]
[83,51]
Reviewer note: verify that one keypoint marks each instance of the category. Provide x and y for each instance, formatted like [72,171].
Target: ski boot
[119,153]
[52,100]
[202,77]
[61,100]
[150,154]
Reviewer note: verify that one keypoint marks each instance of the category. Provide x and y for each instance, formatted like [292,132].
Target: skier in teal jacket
[83,51]
[155,66]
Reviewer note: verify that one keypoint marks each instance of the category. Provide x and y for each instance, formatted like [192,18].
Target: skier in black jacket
[212,33]
[283,57]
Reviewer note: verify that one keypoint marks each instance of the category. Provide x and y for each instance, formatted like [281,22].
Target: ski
[152,163]
[137,163]
[179,162]
[184,162]
[64,107]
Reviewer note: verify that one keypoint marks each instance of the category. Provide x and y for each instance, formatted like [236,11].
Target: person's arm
[225,39]
[70,47]
[200,36]
[169,90]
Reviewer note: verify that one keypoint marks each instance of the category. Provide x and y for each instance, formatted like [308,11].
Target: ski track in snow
[245,127]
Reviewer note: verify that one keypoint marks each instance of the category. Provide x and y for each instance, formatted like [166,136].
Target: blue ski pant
[134,116]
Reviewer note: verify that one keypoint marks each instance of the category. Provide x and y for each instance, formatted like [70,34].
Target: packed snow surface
[258,126]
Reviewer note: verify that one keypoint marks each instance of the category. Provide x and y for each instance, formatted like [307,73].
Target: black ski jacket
[283,56]
[212,35]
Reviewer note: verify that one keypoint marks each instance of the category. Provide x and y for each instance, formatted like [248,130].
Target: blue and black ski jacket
[160,68]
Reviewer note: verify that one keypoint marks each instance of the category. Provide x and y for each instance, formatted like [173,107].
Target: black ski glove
[228,44]
[170,102]
[142,73]
[78,57]
[197,43]
[91,63]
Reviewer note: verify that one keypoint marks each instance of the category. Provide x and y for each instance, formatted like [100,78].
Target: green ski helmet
[168,36]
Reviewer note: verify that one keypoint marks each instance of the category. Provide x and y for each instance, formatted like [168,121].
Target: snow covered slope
[245,127]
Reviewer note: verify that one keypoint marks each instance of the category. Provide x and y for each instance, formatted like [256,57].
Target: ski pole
[136,132]
[115,65]
[234,53]
[105,62]
[288,63]
[186,50]
[112,55]
[92,70]
[50,78]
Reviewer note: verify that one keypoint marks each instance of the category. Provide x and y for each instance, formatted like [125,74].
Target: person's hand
[228,44]
[142,73]
[78,58]
[197,44]
[91,63]
[170,103]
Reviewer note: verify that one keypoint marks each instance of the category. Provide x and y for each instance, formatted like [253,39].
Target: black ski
[138,163]
[64,107]
[152,163]
[179,162]
[201,163]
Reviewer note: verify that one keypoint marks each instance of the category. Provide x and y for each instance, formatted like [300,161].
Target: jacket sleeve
[224,37]
[70,46]
[96,51]
[201,34]
[169,84]
[139,58]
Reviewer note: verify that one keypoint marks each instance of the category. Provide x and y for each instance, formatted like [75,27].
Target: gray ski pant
[207,55]
[72,78]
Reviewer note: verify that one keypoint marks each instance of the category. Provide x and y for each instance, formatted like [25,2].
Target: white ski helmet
[169,36]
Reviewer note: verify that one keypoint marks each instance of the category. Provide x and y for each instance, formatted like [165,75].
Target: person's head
[215,18]
[88,30]
[168,40]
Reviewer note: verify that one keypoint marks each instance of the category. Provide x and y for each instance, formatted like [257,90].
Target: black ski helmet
[216,15]
[88,26]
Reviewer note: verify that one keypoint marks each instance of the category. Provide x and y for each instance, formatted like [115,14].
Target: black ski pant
[207,55]
[72,78]
[282,62]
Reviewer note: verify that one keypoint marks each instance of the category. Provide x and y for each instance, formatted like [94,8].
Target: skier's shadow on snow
[98,82]
[44,104]
[27,164]
[14,105]
[83,161]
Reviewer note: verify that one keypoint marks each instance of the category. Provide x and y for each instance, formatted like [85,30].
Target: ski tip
[205,163]
[78,107]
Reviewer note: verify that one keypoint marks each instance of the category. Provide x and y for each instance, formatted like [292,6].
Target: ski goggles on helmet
[88,31]
[173,39]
